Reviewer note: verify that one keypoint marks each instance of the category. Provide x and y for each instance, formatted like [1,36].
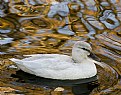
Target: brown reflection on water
[40,26]
[108,47]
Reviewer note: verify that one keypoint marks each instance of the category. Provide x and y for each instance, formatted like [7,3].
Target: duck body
[58,66]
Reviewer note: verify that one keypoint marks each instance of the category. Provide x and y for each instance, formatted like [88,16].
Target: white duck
[62,67]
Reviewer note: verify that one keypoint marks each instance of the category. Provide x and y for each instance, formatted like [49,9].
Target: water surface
[40,26]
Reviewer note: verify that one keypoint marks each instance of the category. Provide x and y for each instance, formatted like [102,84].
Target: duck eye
[85,49]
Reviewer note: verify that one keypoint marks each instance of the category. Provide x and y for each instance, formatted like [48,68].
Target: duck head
[80,51]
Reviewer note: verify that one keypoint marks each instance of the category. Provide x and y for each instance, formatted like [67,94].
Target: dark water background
[40,26]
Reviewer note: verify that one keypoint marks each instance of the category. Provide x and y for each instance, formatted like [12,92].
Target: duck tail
[17,61]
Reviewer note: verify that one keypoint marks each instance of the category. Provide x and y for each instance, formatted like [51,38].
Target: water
[40,26]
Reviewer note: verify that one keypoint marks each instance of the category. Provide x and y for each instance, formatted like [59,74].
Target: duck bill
[94,57]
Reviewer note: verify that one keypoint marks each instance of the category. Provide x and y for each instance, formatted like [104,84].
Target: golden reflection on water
[41,26]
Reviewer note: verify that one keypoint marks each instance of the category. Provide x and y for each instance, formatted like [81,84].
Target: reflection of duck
[63,67]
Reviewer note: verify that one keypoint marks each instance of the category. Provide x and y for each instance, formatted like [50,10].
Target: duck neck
[78,57]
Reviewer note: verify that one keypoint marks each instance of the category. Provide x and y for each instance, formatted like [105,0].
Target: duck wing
[47,56]
[52,61]
[36,55]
